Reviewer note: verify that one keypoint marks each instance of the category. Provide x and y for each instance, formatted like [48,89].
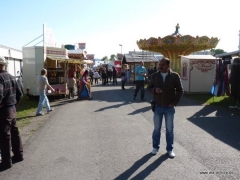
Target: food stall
[56,61]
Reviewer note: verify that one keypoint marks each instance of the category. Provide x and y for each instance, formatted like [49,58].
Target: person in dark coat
[104,77]
[110,75]
[114,74]
[10,140]
[106,70]
[166,88]
[123,78]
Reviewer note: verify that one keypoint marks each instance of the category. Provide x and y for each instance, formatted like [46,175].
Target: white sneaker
[154,151]
[171,154]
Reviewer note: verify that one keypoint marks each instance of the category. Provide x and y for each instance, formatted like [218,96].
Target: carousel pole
[175,62]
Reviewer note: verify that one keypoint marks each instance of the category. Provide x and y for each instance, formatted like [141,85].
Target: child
[71,84]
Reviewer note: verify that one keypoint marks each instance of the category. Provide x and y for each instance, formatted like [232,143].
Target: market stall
[58,64]
[133,60]
[58,77]
[197,72]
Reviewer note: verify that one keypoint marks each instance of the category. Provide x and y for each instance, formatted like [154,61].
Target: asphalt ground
[109,138]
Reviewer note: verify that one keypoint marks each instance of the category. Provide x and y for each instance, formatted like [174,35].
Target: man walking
[166,87]
[42,84]
[91,76]
[123,78]
[140,76]
[10,140]
[114,74]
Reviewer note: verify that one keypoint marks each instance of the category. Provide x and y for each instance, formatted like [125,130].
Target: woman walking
[84,92]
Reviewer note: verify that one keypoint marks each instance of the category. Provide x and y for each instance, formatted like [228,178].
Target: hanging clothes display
[221,82]
[235,80]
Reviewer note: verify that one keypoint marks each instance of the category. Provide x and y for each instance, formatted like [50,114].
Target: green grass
[25,110]
[209,99]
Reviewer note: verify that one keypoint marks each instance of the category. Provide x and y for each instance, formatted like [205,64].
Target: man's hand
[53,90]
[158,90]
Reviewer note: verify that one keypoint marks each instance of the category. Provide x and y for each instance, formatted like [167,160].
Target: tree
[113,57]
[105,59]
[217,51]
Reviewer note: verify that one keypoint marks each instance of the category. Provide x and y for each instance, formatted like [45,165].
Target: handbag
[153,104]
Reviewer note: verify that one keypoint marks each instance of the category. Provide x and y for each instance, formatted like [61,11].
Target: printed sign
[49,39]
[119,56]
[90,56]
[81,45]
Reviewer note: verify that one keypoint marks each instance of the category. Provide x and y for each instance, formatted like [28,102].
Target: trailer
[14,60]
[197,73]
[58,66]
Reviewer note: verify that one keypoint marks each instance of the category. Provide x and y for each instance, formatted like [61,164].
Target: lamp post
[239,41]
[121,47]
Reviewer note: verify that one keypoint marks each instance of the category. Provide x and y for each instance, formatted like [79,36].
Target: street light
[121,48]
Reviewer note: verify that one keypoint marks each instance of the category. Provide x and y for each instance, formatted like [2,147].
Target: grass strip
[25,110]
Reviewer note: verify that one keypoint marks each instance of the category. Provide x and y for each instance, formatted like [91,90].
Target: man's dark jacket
[172,88]
[10,93]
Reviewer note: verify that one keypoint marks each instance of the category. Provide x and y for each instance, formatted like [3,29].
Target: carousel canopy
[174,45]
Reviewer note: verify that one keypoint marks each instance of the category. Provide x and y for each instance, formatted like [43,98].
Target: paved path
[109,138]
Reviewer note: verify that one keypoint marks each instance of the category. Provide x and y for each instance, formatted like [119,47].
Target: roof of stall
[135,58]
[75,61]
[234,53]
[199,57]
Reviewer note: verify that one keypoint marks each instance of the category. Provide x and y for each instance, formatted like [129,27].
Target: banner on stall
[48,37]
[82,45]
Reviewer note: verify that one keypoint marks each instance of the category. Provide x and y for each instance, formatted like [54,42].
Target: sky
[105,24]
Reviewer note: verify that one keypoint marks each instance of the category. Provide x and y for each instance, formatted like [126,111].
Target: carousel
[174,45]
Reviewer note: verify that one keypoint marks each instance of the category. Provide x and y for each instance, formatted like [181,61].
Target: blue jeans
[168,113]
[139,85]
[43,100]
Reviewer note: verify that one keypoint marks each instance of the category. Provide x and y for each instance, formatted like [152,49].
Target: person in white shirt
[42,84]
[96,76]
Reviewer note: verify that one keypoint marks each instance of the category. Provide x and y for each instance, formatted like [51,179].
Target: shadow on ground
[219,123]
[144,173]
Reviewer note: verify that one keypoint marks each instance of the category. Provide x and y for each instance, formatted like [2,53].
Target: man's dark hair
[43,71]
[166,59]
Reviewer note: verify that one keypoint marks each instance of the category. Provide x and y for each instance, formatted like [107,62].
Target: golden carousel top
[176,43]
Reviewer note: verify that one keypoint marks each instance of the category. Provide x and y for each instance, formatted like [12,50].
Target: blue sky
[104,24]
